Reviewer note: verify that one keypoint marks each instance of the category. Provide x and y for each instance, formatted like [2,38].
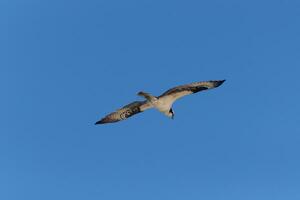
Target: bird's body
[163,106]
[159,103]
[163,103]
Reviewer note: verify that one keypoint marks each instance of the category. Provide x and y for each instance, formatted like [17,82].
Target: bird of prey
[163,103]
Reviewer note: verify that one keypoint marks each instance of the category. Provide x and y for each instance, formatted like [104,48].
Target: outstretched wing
[177,92]
[125,112]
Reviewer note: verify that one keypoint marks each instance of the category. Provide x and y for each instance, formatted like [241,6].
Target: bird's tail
[147,96]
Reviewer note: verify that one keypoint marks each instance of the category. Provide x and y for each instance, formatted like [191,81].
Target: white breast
[162,105]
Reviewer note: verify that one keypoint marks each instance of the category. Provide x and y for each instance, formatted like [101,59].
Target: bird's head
[171,113]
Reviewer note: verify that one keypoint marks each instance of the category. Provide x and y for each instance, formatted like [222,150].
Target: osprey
[163,103]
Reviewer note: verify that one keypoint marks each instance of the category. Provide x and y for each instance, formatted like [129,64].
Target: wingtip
[102,121]
[106,120]
[220,82]
[98,122]
[141,93]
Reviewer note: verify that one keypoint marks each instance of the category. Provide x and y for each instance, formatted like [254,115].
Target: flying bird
[163,103]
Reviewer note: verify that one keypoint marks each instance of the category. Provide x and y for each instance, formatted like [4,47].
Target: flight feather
[177,92]
[125,112]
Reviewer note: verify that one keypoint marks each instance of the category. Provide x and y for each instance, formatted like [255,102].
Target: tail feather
[147,96]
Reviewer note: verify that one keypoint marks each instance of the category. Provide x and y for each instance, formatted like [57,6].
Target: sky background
[65,64]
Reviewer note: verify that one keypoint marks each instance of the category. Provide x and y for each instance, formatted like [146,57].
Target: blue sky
[65,64]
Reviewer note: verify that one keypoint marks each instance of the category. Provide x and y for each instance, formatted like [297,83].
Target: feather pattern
[175,93]
[125,112]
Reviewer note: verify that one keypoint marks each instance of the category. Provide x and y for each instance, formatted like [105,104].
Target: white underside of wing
[171,98]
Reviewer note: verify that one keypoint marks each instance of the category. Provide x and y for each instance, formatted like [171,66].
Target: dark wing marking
[183,90]
[125,112]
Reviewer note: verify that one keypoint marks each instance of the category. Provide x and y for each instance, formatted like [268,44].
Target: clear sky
[65,64]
